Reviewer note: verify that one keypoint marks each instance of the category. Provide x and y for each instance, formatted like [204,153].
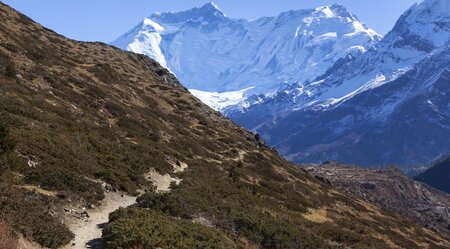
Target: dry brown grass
[7,238]
[317,215]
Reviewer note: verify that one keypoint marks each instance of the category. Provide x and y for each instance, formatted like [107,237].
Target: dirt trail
[88,231]
[161,182]
[88,227]
[26,244]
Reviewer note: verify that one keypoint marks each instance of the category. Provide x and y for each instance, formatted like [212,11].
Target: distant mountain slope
[438,175]
[79,119]
[211,52]
[390,189]
[387,106]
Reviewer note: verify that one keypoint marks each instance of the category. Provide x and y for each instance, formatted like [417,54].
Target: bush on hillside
[28,214]
[140,228]
[7,66]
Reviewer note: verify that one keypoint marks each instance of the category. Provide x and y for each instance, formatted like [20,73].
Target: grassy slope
[71,112]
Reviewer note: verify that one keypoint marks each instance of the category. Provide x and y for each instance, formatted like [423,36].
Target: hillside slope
[76,116]
[390,189]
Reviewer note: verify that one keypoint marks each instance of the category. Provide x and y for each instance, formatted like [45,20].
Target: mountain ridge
[437,175]
[364,102]
[390,189]
[309,39]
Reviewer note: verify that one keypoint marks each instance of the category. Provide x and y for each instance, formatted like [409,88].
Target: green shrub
[271,233]
[28,214]
[7,66]
[149,229]
[50,233]
[232,217]
[56,178]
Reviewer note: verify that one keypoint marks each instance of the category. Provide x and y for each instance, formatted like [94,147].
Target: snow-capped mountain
[417,33]
[220,101]
[210,52]
[388,105]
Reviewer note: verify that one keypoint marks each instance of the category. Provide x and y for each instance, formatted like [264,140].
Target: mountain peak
[336,10]
[338,7]
[212,7]
[428,21]
[341,10]
[208,11]
[443,5]
[434,8]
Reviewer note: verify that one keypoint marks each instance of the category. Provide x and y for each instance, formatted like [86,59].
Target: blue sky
[105,20]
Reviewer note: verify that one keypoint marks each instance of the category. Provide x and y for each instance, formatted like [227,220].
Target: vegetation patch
[7,66]
[134,227]
[29,214]
[317,215]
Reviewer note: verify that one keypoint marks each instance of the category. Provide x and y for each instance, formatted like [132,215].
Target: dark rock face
[390,189]
[438,175]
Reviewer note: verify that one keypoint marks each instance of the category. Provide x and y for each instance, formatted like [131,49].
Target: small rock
[85,214]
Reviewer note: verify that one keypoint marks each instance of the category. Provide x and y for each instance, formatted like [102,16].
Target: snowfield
[220,101]
[212,53]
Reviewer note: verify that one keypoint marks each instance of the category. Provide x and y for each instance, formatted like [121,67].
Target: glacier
[210,52]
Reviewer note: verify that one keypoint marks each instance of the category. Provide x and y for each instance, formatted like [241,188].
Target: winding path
[88,232]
